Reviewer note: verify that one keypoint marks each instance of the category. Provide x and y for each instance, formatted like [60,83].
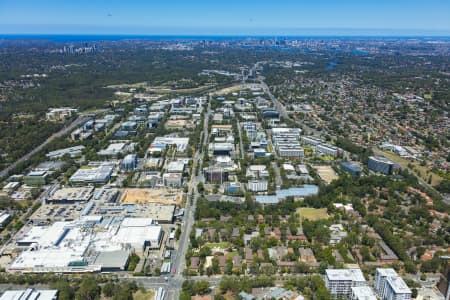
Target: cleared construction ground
[162,196]
[326,173]
[235,88]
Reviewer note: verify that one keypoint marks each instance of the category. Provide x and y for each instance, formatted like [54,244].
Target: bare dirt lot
[163,196]
[234,88]
[326,173]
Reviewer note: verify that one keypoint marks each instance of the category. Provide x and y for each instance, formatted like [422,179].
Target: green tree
[88,289]
[65,290]
[201,288]
[108,289]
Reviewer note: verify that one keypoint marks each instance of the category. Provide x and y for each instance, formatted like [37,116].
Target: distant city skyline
[177,17]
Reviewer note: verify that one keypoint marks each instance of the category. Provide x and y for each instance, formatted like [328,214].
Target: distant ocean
[106,37]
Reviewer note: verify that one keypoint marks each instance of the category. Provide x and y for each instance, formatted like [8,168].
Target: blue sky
[226,17]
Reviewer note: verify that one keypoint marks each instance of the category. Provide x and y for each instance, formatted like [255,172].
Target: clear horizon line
[221,35]
[42,29]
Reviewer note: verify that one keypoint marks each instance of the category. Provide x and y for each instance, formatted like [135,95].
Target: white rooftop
[52,248]
[114,148]
[398,285]
[387,272]
[363,293]
[345,274]
[257,167]
[93,174]
[136,222]
[175,166]
[30,294]
[288,167]
[223,159]
[137,236]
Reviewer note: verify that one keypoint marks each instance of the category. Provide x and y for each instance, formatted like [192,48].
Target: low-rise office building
[93,174]
[257,185]
[129,163]
[221,148]
[176,166]
[35,178]
[174,180]
[379,164]
[291,151]
[270,113]
[60,114]
[72,152]
[311,140]
[326,149]
[162,142]
[5,218]
[216,174]
[352,168]
[71,195]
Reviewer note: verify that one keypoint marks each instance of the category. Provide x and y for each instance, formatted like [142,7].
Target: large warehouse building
[85,245]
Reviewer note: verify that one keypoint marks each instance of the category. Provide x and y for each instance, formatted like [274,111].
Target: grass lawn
[312,214]
[140,295]
[326,158]
[435,179]
[231,254]
[222,245]
[86,167]
[308,151]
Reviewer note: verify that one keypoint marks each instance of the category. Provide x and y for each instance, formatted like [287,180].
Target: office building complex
[326,149]
[321,147]
[352,168]
[286,142]
[381,165]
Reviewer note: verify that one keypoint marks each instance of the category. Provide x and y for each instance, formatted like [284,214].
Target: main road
[175,281]
[241,144]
